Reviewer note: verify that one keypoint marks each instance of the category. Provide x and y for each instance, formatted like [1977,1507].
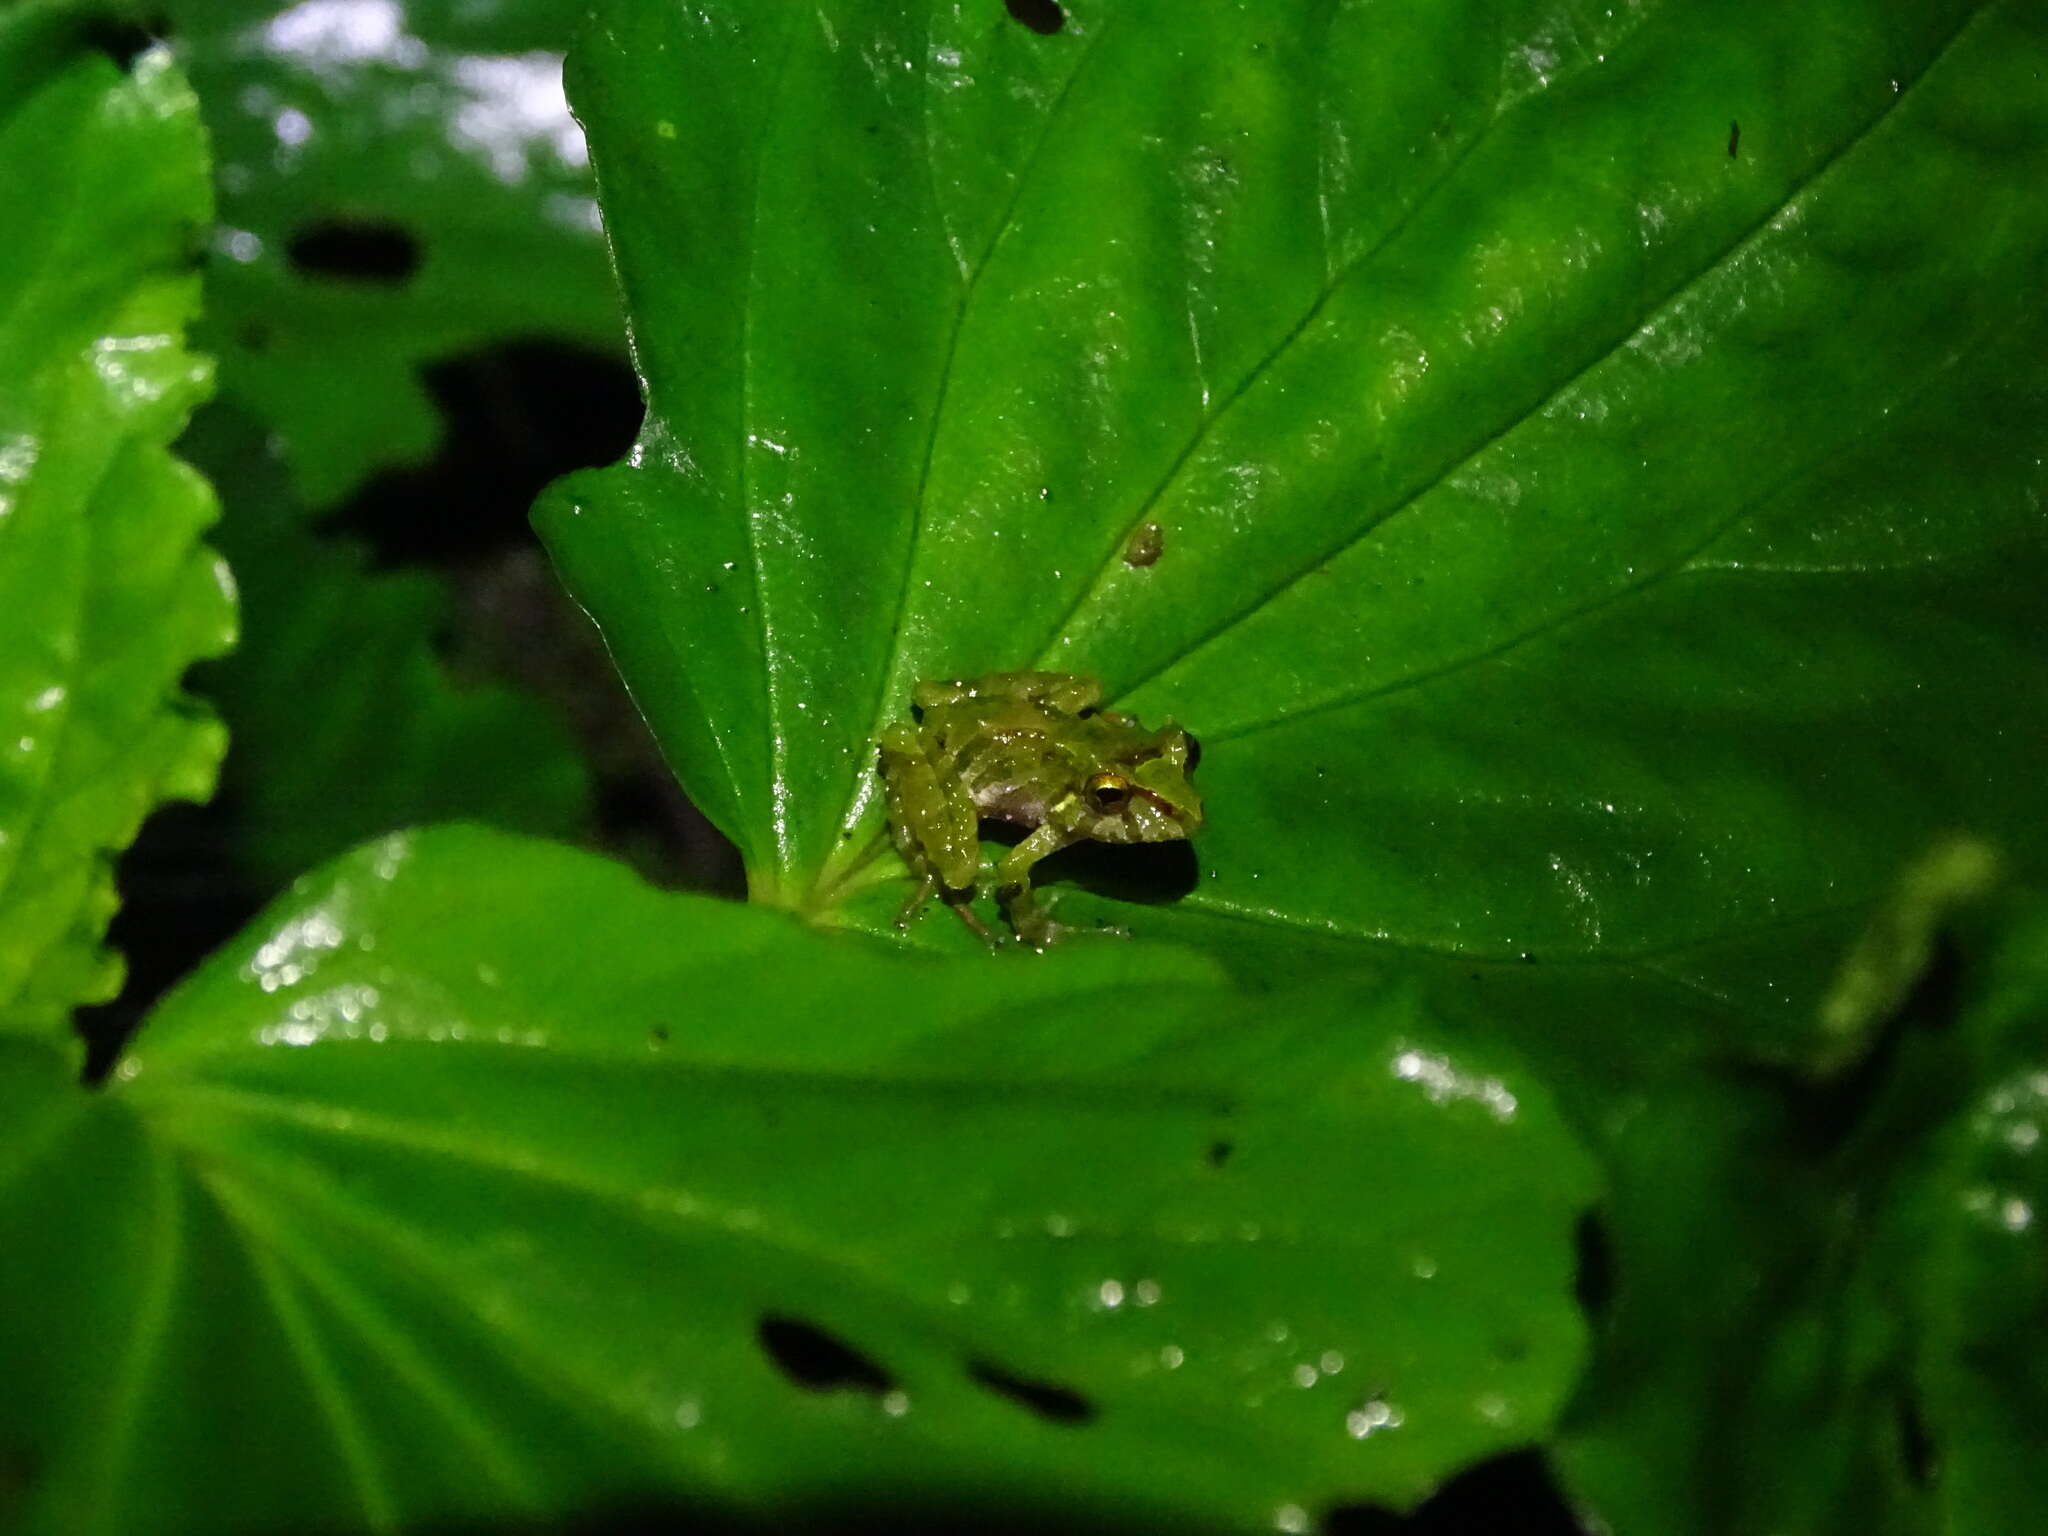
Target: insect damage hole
[1042,16]
[817,1361]
[1050,1401]
[354,250]
[1593,1279]
[1916,1445]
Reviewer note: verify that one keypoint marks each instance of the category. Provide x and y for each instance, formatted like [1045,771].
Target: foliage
[1580,475]
[106,595]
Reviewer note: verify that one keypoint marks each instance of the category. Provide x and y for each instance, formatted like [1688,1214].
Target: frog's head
[1148,797]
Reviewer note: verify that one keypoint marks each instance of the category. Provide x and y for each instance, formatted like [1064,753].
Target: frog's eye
[1108,791]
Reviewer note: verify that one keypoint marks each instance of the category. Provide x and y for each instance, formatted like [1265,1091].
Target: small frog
[1032,749]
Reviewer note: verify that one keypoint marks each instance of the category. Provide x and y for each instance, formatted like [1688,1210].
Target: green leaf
[1831,1304]
[106,594]
[1585,532]
[345,722]
[436,131]
[479,1179]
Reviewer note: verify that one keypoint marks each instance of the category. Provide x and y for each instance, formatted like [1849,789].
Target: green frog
[1033,749]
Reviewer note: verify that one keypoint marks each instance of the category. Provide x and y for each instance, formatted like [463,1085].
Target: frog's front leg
[934,824]
[1033,923]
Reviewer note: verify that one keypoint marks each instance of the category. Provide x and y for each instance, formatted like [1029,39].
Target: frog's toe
[1036,926]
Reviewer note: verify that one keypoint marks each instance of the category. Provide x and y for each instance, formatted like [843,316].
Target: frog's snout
[1167,807]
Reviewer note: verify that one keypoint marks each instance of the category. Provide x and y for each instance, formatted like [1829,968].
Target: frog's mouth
[1158,819]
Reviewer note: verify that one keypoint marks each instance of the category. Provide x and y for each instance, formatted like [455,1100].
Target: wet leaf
[106,594]
[1583,532]
[478,1179]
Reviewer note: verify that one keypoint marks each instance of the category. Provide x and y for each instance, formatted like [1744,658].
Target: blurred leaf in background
[347,721]
[1850,1269]
[408,262]
[400,183]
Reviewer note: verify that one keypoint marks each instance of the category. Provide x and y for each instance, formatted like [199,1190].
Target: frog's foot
[1035,926]
[965,913]
[920,894]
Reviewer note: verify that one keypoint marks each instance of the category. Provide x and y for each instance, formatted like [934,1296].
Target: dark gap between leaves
[517,416]
[1511,1495]
[817,1361]
[123,39]
[354,251]
[1042,16]
[1593,1277]
[1057,1404]
[182,897]
[1830,1111]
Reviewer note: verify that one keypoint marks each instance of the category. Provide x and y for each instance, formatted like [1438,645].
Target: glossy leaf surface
[1595,455]
[503,1184]
[106,594]
[345,722]
[400,181]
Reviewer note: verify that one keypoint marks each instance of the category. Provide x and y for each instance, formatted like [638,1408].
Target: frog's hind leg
[933,823]
[927,886]
[963,910]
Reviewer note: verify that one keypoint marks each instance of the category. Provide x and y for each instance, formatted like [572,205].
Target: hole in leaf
[354,250]
[1042,16]
[1916,1446]
[818,1362]
[1593,1281]
[1060,1405]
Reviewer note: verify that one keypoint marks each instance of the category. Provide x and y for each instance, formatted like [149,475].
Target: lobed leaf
[106,594]
[1587,463]
[498,1184]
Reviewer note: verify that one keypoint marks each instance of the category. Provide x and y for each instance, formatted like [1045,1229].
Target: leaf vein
[1686,563]
[1458,461]
[972,275]
[390,1344]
